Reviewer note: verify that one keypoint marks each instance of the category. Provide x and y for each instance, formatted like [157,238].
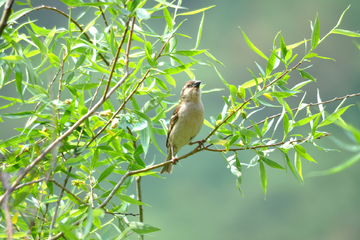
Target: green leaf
[286,124]
[12,58]
[306,75]
[304,121]
[54,60]
[315,36]
[189,52]
[170,4]
[291,166]
[73,199]
[271,63]
[16,115]
[252,46]
[168,19]
[142,13]
[263,179]
[271,163]
[199,32]
[346,164]
[333,117]
[178,69]
[346,32]
[283,47]
[130,200]
[43,49]
[195,11]
[19,14]
[95,158]
[142,228]
[18,79]
[298,166]
[302,152]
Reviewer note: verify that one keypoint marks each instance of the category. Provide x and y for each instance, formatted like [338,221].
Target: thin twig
[128,46]
[103,15]
[6,185]
[66,190]
[91,191]
[62,75]
[116,58]
[71,19]
[58,204]
[6,15]
[263,146]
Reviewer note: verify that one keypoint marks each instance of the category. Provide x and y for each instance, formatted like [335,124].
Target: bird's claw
[201,143]
[174,160]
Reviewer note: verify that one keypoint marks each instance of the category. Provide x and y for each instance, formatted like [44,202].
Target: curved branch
[71,19]
[263,146]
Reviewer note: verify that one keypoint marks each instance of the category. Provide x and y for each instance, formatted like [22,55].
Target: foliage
[56,171]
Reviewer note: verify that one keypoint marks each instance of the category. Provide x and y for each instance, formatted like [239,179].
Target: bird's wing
[174,118]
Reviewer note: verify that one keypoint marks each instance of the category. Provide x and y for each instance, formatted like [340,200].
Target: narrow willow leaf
[286,124]
[291,166]
[346,164]
[195,11]
[94,159]
[168,19]
[263,179]
[170,4]
[16,115]
[304,121]
[200,31]
[271,63]
[315,36]
[130,200]
[142,228]
[18,79]
[302,152]
[298,165]
[283,47]
[252,46]
[189,52]
[306,75]
[271,163]
[346,32]
[333,117]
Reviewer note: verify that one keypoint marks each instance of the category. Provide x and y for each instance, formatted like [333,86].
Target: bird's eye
[189,85]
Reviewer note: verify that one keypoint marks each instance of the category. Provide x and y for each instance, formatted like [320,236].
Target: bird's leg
[174,160]
[201,143]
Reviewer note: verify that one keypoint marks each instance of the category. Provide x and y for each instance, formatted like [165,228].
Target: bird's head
[191,91]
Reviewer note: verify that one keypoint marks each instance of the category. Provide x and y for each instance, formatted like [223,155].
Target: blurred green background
[200,199]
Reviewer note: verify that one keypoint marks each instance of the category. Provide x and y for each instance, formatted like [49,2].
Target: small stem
[139,198]
[103,15]
[58,204]
[128,46]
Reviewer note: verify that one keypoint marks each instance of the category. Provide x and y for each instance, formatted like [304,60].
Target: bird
[185,123]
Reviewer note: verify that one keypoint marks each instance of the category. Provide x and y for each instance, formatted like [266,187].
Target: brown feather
[172,123]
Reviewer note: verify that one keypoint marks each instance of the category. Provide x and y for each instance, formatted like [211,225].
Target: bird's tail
[169,167]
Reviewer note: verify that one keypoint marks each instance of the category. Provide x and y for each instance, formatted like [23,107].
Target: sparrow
[185,123]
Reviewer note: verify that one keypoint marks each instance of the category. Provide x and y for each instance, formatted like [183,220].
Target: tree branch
[71,19]
[245,102]
[6,15]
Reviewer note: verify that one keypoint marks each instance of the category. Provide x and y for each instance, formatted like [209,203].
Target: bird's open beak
[197,84]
